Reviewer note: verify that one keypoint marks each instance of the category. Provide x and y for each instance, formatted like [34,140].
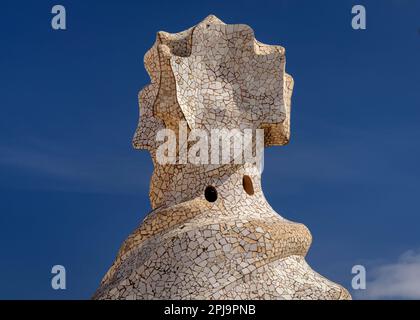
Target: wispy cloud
[41,164]
[398,280]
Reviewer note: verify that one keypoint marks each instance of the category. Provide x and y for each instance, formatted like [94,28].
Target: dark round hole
[211,194]
[248,186]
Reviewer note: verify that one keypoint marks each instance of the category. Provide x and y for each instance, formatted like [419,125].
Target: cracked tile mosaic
[211,233]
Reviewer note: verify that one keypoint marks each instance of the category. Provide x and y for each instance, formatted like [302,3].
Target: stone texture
[214,75]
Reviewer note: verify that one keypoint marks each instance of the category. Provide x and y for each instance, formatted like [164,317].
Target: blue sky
[72,188]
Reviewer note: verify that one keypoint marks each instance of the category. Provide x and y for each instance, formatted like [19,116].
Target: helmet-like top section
[215,75]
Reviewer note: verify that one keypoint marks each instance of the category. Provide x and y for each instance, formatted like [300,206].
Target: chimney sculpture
[211,233]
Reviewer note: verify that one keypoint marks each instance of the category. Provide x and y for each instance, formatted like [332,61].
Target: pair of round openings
[210,193]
